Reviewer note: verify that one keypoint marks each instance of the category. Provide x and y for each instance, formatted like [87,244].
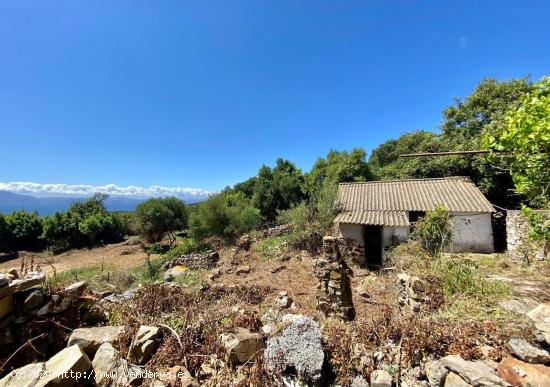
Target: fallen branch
[28,342]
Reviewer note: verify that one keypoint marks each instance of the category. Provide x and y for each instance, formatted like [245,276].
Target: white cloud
[81,190]
[463,42]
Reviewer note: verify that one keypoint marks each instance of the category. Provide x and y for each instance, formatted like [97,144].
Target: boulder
[241,346]
[476,373]
[6,306]
[110,369]
[297,348]
[33,299]
[362,290]
[30,280]
[65,368]
[380,378]
[359,381]
[521,307]
[26,376]
[283,301]
[90,339]
[436,373]
[76,289]
[527,352]
[144,344]
[519,373]
[3,280]
[453,380]
[541,316]
[174,272]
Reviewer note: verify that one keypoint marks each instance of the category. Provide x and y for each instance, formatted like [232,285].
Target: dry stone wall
[520,248]
[333,289]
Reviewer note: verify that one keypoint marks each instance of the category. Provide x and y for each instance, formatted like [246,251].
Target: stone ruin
[412,293]
[194,261]
[333,289]
[519,247]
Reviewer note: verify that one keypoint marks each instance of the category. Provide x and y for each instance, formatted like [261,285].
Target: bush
[434,231]
[224,215]
[61,231]
[4,233]
[157,217]
[312,220]
[24,230]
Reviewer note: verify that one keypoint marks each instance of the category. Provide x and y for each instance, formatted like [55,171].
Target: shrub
[157,217]
[434,231]
[223,215]
[25,229]
[4,233]
[61,231]
[312,220]
[100,228]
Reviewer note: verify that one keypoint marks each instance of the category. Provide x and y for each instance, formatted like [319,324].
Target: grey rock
[245,269]
[26,376]
[436,373]
[64,368]
[380,378]
[76,289]
[527,352]
[359,381]
[283,301]
[144,344]
[32,300]
[299,348]
[90,339]
[108,362]
[241,345]
[30,280]
[453,380]
[476,373]
[521,307]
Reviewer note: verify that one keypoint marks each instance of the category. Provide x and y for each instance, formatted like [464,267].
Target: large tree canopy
[525,135]
[464,123]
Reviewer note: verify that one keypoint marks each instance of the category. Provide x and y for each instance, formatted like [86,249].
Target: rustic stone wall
[333,290]
[411,293]
[352,249]
[520,248]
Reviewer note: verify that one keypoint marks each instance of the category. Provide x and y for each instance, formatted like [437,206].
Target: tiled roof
[381,218]
[383,202]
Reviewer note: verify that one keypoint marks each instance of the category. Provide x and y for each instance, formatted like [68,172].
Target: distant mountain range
[10,201]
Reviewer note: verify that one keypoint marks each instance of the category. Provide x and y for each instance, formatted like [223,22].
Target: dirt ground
[115,256]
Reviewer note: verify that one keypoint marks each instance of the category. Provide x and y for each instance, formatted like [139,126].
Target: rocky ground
[257,315]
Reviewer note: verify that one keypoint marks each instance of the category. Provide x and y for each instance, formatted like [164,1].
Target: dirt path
[115,256]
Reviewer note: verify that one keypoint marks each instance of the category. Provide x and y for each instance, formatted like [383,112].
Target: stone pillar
[520,247]
[333,290]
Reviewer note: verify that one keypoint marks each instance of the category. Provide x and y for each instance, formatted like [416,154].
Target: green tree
[61,231]
[339,167]
[278,188]
[225,215]
[525,134]
[25,229]
[4,232]
[160,216]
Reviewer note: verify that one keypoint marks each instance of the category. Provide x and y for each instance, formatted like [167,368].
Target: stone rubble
[334,297]
[90,339]
[527,352]
[144,344]
[194,261]
[241,346]
[298,348]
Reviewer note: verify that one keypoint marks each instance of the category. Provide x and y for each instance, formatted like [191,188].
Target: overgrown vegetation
[434,231]
[158,217]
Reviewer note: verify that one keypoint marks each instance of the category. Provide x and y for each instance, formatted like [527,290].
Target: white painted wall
[351,231]
[391,234]
[472,233]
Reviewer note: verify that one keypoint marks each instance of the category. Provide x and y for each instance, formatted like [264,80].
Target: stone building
[376,214]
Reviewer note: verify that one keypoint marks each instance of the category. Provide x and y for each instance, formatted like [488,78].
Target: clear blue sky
[200,94]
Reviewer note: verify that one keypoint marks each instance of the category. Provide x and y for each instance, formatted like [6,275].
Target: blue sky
[200,94]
